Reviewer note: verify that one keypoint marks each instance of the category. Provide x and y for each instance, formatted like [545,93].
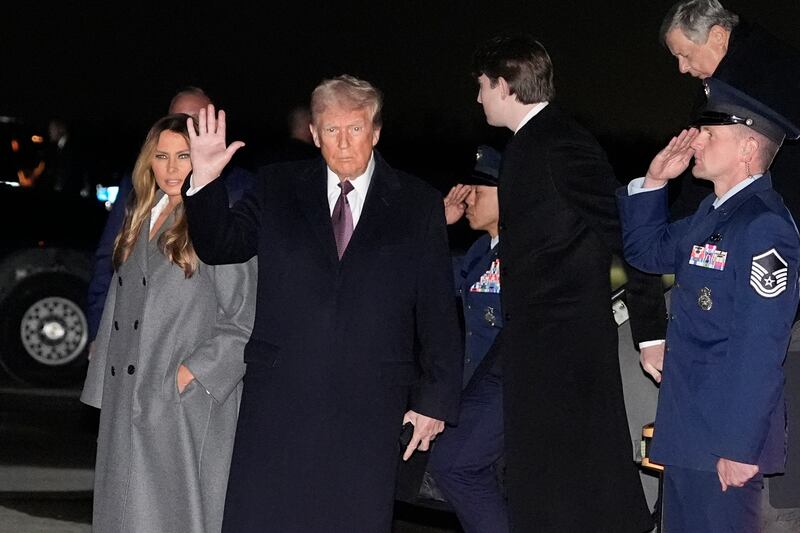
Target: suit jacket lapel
[312,196]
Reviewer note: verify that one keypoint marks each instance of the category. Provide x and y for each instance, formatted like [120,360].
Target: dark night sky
[116,69]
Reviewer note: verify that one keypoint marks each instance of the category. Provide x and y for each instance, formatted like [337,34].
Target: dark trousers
[462,461]
[694,503]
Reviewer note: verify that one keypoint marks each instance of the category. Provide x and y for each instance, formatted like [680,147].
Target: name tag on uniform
[490,280]
[708,256]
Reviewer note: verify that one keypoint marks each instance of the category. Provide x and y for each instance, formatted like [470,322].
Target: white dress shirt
[157,210]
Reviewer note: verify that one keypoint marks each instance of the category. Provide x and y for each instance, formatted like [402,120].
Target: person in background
[463,458]
[167,366]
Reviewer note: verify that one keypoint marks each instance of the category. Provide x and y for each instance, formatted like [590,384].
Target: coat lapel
[377,207]
[312,197]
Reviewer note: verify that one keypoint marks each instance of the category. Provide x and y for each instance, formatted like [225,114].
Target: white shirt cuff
[647,344]
[192,189]
[636,186]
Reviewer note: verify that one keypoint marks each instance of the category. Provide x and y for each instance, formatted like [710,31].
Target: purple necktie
[342,218]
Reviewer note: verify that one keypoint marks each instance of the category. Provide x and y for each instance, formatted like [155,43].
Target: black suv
[46,248]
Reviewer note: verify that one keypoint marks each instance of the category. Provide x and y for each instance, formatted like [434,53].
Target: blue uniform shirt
[732,306]
[477,280]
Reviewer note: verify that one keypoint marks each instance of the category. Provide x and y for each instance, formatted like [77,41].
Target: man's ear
[749,149]
[376,134]
[314,135]
[505,90]
[718,39]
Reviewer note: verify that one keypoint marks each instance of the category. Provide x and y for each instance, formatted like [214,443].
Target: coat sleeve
[95,375]
[648,309]
[588,187]
[218,363]
[750,378]
[222,234]
[439,390]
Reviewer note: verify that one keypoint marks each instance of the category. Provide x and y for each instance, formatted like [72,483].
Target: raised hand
[455,203]
[207,146]
[670,162]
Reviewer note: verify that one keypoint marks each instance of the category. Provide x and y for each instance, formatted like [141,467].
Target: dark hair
[522,61]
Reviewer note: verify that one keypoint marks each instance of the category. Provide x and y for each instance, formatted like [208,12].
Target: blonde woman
[167,364]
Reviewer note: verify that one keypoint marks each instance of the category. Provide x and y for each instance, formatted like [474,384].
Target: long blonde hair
[174,243]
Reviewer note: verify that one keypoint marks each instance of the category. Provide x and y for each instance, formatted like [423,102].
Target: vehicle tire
[44,332]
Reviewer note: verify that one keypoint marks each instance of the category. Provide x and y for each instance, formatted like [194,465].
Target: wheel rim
[54,331]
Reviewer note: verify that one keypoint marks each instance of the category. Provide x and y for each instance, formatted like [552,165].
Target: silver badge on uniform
[488,315]
[768,274]
[704,300]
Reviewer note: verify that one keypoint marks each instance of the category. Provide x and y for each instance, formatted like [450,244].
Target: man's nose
[343,140]
[683,65]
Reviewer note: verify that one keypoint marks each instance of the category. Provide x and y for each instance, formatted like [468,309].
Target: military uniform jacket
[163,457]
[332,364]
[478,285]
[735,295]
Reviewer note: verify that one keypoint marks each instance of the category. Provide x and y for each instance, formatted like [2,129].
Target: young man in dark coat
[569,464]
[354,315]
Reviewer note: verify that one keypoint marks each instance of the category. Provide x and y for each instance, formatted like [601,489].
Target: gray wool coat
[163,457]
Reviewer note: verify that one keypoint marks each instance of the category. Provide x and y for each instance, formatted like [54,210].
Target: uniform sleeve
[438,394]
[218,363]
[650,242]
[751,375]
[92,393]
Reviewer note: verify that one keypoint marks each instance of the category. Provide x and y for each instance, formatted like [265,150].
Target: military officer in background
[720,423]
[463,459]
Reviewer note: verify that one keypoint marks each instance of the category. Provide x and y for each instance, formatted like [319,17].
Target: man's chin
[698,173]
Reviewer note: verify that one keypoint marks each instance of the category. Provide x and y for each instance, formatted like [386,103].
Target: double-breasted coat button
[131,369]
[135,324]
[507,316]
[113,371]
[120,281]
[116,325]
